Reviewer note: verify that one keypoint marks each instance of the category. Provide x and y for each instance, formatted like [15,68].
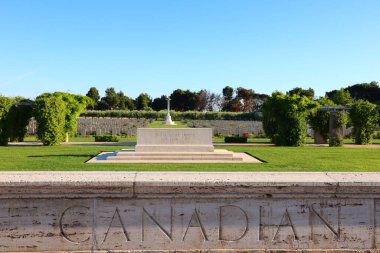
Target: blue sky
[160,45]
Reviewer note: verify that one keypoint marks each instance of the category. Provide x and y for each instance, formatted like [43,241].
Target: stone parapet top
[186,183]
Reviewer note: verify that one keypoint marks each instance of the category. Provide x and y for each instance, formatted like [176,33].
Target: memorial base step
[220,153]
[176,158]
[131,156]
[216,155]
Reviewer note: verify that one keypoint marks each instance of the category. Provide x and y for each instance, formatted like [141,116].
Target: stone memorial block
[174,140]
[143,211]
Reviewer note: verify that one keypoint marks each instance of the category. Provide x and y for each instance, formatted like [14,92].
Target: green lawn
[277,159]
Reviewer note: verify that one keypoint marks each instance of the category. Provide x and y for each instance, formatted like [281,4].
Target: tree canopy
[93,94]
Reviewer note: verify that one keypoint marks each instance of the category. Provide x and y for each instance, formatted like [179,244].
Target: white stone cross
[168,118]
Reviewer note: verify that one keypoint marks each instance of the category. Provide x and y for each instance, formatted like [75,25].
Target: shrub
[5,105]
[218,135]
[338,122]
[18,119]
[56,115]
[235,139]
[284,118]
[106,138]
[319,120]
[50,112]
[364,117]
[75,104]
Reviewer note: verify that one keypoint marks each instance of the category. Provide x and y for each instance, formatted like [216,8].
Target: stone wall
[100,126]
[127,126]
[230,127]
[189,211]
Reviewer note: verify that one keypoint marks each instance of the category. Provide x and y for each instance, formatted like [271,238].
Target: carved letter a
[195,221]
[116,214]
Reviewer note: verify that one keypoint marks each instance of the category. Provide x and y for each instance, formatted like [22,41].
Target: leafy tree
[217,104]
[202,100]
[284,118]
[302,92]
[214,102]
[159,104]
[93,94]
[258,101]
[5,105]
[177,101]
[18,118]
[143,101]
[121,100]
[243,101]
[74,106]
[206,101]
[367,91]
[190,101]
[340,97]
[110,101]
[245,96]
[50,113]
[228,93]
[235,105]
[183,100]
[129,103]
[364,116]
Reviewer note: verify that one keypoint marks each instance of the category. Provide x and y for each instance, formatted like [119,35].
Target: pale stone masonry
[99,126]
[174,145]
[189,211]
[174,140]
[128,126]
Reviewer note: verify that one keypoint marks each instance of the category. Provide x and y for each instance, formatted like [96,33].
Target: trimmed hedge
[106,138]
[191,115]
[235,139]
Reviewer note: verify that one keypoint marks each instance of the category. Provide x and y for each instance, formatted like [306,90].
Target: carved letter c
[62,229]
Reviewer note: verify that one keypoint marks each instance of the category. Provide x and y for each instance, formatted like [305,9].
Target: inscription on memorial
[174,136]
[103,224]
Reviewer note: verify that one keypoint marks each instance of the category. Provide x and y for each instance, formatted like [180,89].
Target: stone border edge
[140,184]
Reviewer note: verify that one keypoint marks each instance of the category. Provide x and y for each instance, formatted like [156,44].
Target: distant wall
[230,127]
[99,126]
[128,126]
